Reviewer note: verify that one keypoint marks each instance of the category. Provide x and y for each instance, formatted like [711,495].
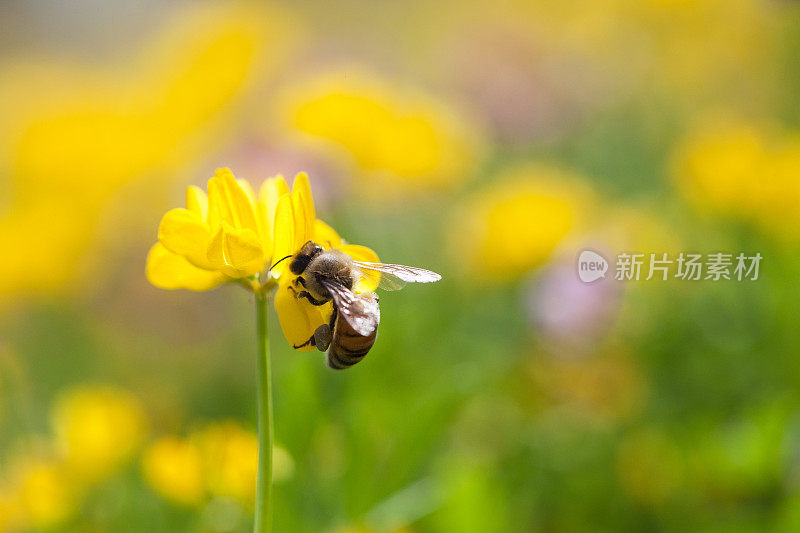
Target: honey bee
[330,275]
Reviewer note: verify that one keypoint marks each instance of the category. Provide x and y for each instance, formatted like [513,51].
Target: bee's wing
[362,314]
[387,282]
[394,277]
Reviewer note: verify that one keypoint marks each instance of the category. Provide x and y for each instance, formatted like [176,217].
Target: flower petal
[369,278]
[215,253]
[197,201]
[167,270]
[294,219]
[268,196]
[298,318]
[302,186]
[302,232]
[242,249]
[284,229]
[326,236]
[236,252]
[360,253]
[232,203]
[248,190]
[183,232]
[303,210]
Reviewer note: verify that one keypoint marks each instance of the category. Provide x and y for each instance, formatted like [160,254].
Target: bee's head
[302,258]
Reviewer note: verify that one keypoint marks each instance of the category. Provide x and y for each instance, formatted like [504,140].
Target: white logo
[591,266]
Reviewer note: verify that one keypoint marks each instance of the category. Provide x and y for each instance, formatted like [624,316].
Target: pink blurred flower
[572,316]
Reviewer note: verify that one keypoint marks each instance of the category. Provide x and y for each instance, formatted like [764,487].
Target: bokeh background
[488,140]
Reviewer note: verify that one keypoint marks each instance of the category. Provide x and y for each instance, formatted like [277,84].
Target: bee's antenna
[278,261]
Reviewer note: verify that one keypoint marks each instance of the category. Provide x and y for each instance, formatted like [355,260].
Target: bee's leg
[322,337]
[307,296]
[300,280]
[310,341]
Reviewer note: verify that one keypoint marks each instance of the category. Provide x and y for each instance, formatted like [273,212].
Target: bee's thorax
[331,265]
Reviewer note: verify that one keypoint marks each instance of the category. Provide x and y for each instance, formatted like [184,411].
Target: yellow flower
[72,137]
[516,224]
[230,454]
[718,165]
[781,190]
[10,510]
[220,459]
[232,235]
[98,429]
[174,468]
[400,139]
[738,169]
[43,492]
[223,236]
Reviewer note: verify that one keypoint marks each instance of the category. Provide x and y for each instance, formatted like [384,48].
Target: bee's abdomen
[348,347]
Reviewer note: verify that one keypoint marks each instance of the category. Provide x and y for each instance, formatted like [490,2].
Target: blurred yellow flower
[781,189]
[220,459]
[97,429]
[232,235]
[515,224]
[399,139]
[230,454]
[174,468]
[10,510]
[45,495]
[743,170]
[718,166]
[71,137]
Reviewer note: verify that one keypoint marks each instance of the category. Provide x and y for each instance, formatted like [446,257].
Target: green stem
[263,511]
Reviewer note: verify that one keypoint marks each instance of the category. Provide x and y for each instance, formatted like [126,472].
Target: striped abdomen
[348,347]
